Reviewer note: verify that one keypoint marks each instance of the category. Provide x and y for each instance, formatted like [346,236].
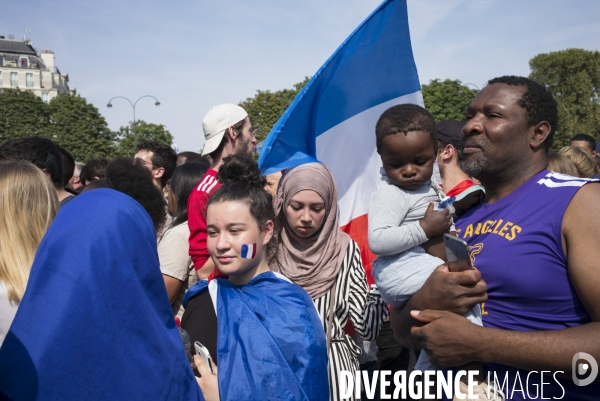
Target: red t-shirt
[197,217]
[460,187]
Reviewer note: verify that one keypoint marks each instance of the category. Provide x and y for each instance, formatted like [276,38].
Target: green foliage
[67,120]
[573,77]
[22,114]
[266,107]
[80,128]
[145,132]
[448,99]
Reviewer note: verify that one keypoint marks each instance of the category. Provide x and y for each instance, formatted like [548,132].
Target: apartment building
[21,67]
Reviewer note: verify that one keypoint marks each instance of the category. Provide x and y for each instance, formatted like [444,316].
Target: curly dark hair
[93,168]
[405,118]
[536,100]
[243,182]
[136,181]
[162,156]
[240,169]
[41,152]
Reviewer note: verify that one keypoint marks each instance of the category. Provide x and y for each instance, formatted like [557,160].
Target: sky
[192,55]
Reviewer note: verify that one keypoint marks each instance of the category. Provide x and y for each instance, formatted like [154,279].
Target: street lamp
[157,103]
[460,92]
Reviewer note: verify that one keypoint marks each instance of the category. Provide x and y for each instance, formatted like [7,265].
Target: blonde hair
[560,163]
[584,163]
[28,203]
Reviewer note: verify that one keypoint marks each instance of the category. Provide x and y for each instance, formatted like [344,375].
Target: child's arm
[436,247]
[435,223]
[387,209]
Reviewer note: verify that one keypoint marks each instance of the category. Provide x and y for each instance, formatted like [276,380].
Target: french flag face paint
[248,251]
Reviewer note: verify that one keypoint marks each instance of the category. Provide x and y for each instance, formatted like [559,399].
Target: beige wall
[44,81]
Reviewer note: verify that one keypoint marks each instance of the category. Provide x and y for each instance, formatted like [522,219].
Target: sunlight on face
[235,242]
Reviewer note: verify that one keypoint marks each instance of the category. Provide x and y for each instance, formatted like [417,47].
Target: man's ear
[231,134]
[541,131]
[158,172]
[447,152]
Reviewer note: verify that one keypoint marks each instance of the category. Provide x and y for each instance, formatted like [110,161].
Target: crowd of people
[109,270]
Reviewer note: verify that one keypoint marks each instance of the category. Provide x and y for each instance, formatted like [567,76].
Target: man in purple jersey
[534,240]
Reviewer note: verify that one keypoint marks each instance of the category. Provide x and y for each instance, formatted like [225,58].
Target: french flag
[248,251]
[332,120]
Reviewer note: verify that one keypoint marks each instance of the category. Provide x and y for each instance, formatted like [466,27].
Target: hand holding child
[435,223]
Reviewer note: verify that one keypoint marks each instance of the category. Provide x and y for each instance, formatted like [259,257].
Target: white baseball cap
[217,121]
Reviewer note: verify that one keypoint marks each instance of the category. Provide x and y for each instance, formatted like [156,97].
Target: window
[45,97]
[1,61]
[23,62]
[29,80]
[14,79]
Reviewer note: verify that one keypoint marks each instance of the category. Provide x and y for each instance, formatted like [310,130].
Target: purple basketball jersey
[516,244]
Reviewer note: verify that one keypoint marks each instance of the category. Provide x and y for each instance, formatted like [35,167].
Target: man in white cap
[228,131]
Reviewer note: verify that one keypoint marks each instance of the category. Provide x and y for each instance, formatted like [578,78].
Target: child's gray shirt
[394,215]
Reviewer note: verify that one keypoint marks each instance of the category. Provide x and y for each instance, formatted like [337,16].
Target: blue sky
[192,55]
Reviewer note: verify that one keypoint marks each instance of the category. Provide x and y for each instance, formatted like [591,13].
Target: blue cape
[95,322]
[270,341]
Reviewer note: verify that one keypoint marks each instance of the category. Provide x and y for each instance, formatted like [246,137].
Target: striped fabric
[207,184]
[365,310]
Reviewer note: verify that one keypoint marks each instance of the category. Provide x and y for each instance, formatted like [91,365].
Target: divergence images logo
[581,369]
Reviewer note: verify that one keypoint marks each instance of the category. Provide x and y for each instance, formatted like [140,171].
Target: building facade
[22,68]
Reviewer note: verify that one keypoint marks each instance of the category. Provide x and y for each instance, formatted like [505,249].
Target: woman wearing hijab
[95,322]
[314,253]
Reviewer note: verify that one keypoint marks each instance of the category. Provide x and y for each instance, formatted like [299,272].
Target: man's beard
[474,166]
[242,149]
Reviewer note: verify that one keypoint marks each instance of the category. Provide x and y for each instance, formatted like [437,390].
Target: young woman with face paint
[269,344]
[314,253]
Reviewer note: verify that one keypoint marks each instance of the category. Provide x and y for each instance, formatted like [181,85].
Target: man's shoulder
[586,197]
[207,185]
[552,180]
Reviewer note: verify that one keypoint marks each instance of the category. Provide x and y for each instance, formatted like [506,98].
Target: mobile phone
[456,249]
[203,353]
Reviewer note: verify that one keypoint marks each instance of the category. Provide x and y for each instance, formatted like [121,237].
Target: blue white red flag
[248,251]
[332,120]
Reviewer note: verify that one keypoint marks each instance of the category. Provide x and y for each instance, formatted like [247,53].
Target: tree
[80,128]
[145,132]
[573,78]
[448,99]
[22,114]
[266,107]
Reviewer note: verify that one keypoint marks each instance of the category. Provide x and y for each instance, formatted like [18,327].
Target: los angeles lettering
[507,229]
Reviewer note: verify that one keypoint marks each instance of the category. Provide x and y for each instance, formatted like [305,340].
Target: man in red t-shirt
[454,180]
[228,131]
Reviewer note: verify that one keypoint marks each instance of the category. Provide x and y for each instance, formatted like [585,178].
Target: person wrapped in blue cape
[270,342]
[95,321]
